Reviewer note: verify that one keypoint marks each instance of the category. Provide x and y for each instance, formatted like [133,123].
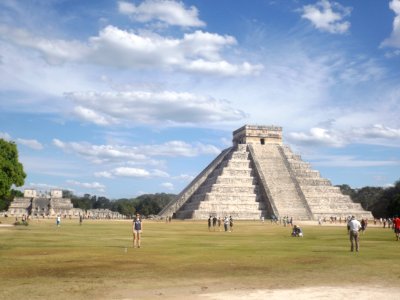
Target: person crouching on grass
[137,230]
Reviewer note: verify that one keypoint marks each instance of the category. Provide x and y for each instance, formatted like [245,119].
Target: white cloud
[170,12]
[5,136]
[349,162]
[222,68]
[101,153]
[152,108]
[324,18]
[88,185]
[43,186]
[200,50]
[132,172]
[31,143]
[134,154]
[360,70]
[318,136]
[114,47]
[394,39]
[168,185]
[34,144]
[373,134]
[54,51]
[378,131]
[185,177]
[179,148]
[92,116]
[103,174]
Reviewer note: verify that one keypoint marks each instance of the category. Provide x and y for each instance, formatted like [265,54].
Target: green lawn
[96,260]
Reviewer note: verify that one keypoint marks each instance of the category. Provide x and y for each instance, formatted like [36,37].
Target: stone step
[321,189]
[313,182]
[239,164]
[238,173]
[224,197]
[251,189]
[236,180]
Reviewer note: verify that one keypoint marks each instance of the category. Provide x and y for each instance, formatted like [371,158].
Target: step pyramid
[260,177]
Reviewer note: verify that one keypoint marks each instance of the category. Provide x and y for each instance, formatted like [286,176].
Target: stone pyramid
[260,177]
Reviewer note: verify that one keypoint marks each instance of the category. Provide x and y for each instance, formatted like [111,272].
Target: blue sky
[120,98]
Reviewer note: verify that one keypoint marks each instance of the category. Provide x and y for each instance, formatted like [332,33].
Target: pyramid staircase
[252,180]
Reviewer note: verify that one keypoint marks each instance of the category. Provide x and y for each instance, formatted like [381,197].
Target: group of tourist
[213,221]
[354,227]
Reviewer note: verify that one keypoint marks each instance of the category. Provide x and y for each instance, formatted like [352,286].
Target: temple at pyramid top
[258,177]
[255,134]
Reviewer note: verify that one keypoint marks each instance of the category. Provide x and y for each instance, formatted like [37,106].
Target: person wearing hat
[353,227]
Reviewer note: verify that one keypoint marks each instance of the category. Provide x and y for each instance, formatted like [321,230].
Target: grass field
[97,260]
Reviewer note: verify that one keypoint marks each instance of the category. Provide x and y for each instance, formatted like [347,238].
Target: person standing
[58,220]
[214,222]
[209,223]
[396,223]
[230,224]
[353,227]
[137,228]
[226,223]
[80,219]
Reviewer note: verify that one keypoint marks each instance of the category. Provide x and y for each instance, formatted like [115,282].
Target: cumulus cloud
[327,16]
[378,131]
[88,185]
[101,153]
[93,116]
[152,108]
[134,154]
[103,174]
[169,12]
[54,51]
[31,143]
[318,136]
[5,136]
[42,186]
[168,185]
[194,52]
[184,177]
[132,172]
[394,39]
[373,134]
[349,161]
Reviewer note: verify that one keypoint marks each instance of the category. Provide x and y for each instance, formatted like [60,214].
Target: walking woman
[137,230]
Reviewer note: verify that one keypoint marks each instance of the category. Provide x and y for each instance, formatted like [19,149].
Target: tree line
[382,202]
[147,204]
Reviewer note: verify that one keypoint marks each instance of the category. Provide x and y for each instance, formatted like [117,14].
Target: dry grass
[97,260]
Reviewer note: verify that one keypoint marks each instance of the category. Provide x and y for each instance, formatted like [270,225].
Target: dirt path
[235,293]
[324,292]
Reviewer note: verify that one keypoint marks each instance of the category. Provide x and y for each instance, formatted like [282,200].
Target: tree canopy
[382,202]
[11,170]
[147,204]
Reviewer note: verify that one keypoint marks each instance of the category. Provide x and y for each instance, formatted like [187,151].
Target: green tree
[6,201]
[11,170]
